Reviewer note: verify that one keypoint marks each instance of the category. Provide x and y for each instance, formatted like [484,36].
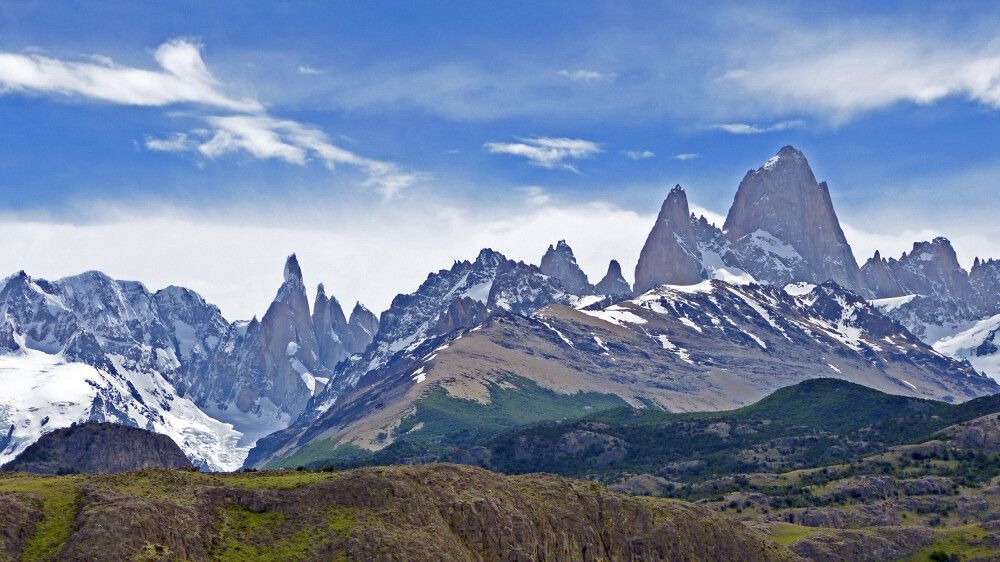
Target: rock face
[670,254]
[984,277]
[929,292]
[782,201]
[269,370]
[932,268]
[613,284]
[361,328]
[330,326]
[433,512]
[339,338]
[560,263]
[99,447]
[497,283]
[879,278]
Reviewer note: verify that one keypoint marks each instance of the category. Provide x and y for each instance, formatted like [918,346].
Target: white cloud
[748,129]
[586,75]
[268,138]
[638,154]
[186,79]
[842,71]
[182,78]
[309,70]
[685,156]
[174,142]
[547,152]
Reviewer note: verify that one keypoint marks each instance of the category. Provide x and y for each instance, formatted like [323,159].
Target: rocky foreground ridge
[432,512]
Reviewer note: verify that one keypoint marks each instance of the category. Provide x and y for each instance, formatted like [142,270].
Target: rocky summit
[613,284]
[560,263]
[673,253]
[99,447]
[781,209]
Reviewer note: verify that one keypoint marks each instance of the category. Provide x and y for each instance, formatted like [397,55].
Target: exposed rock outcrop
[670,254]
[613,284]
[560,263]
[273,363]
[879,278]
[99,447]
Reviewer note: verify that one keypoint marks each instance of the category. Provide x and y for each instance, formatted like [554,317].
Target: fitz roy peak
[783,225]
[781,228]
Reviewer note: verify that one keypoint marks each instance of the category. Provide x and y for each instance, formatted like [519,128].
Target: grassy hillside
[441,423]
[813,423]
[431,512]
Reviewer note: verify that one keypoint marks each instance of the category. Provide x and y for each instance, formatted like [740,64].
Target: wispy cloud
[685,156]
[535,195]
[638,154]
[309,70]
[174,142]
[547,152]
[185,78]
[182,78]
[748,129]
[266,138]
[845,70]
[586,75]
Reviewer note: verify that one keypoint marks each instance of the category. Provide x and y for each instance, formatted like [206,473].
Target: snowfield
[40,392]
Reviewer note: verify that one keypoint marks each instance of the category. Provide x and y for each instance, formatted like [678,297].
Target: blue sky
[197,143]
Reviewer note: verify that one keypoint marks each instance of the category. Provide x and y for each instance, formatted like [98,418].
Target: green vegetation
[442,423]
[268,536]
[515,402]
[319,453]
[957,543]
[788,533]
[59,503]
[814,423]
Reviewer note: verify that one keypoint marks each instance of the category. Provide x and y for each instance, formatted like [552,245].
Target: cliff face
[613,284]
[560,263]
[782,200]
[432,512]
[670,254]
[99,447]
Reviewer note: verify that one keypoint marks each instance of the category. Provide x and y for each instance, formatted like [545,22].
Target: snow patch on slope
[40,392]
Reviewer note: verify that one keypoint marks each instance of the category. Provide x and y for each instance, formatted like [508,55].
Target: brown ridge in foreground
[430,512]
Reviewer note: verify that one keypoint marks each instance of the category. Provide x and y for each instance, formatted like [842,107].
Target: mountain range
[718,318]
